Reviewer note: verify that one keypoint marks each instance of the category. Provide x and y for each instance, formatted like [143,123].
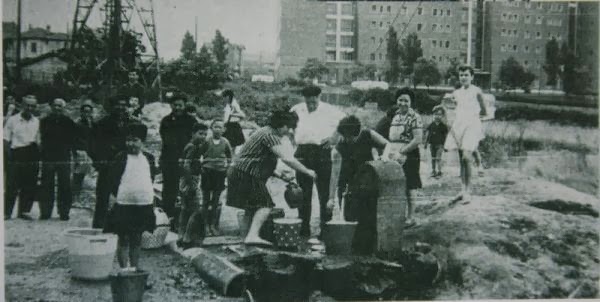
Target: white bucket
[91,253]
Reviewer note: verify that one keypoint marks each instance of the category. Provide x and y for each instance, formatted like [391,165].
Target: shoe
[25,217]
[45,217]
[433,174]
[439,174]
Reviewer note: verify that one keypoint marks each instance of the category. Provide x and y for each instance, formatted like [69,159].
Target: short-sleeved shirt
[355,153]
[218,154]
[21,132]
[403,125]
[256,157]
[436,133]
[467,106]
[314,127]
[234,107]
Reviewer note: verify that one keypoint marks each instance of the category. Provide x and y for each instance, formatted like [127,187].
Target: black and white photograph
[300,150]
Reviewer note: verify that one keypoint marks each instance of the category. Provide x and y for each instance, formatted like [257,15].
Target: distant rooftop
[9,31]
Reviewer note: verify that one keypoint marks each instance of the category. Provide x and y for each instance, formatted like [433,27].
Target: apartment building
[521,29]
[586,39]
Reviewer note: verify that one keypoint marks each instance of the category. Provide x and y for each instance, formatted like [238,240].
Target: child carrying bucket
[132,173]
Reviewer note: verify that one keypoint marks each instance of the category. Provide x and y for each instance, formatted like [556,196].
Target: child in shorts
[132,173]
[217,159]
[466,130]
[191,218]
[435,138]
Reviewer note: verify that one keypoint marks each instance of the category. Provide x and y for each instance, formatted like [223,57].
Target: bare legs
[259,218]
[466,172]
[128,248]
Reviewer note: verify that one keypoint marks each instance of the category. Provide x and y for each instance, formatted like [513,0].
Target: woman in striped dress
[252,167]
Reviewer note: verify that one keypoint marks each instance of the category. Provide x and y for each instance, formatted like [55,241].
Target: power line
[407,24]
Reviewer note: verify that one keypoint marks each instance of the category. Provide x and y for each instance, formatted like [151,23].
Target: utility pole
[18,55]
[469,32]
[114,44]
[196,34]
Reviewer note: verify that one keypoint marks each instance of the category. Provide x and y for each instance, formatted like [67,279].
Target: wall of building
[31,48]
[43,71]
[301,36]
[521,30]
[587,39]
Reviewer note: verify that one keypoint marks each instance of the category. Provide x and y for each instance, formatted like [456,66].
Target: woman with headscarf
[252,167]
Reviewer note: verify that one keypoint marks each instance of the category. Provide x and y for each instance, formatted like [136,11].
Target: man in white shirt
[22,140]
[315,136]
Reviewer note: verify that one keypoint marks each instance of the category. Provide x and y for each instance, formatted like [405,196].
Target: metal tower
[114,62]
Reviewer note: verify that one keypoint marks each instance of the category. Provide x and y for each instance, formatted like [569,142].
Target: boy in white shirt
[466,131]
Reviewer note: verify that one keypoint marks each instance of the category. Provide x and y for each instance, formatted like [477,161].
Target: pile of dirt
[535,240]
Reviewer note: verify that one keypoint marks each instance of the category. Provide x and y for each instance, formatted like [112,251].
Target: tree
[553,62]
[393,56]
[364,71]
[410,51]
[426,72]
[452,72]
[219,47]
[575,75]
[188,46]
[513,75]
[313,69]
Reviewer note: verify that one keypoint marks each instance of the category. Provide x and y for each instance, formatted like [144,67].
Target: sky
[252,23]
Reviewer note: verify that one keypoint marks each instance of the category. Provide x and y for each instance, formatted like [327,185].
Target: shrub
[561,117]
[357,97]
[383,98]
[424,103]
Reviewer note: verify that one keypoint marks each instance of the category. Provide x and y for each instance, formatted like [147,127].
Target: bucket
[268,229]
[128,286]
[91,253]
[338,236]
[287,232]
[224,276]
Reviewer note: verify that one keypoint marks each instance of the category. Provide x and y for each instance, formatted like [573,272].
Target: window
[330,41]
[559,23]
[331,55]
[347,56]
[515,33]
[389,24]
[526,48]
[527,34]
[435,11]
[528,19]
[441,12]
[381,24]
[516,18]
[331,8]
[374,8]
[346,25]
[503,33]
[434,27]
[441,59]
[504,17]
[373,40]
[559,37]
[381,9]
[514,47]
[447,27]
[560,7]
[538,20]
[503,47]
[380,40]
[373,24]
[538,35]
[346,41]
[538,50]
[447,44]
[419,27]
[463,29]
[526,63]
[347,9]
[372,57]
[380,56]
[434,43]
[389,9]
[420,11]
[540,5]
[331,25]
[33,46]
[448,13]
[527,4]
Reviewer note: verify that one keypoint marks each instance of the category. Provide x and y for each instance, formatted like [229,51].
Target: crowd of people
[198,161]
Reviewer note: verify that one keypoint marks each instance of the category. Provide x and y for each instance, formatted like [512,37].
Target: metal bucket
[220,273]
[287,232]
[128,287]
[338,236]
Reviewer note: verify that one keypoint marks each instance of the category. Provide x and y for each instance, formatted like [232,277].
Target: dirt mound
[534,240]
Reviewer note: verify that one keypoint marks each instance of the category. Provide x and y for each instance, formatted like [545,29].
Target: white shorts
[464,135]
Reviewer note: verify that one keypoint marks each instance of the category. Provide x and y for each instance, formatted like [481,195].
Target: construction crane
[113,49]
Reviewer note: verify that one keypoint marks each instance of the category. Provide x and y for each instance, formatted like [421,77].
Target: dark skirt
[247,192]
[130,219]
[233,133]
[411,168]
